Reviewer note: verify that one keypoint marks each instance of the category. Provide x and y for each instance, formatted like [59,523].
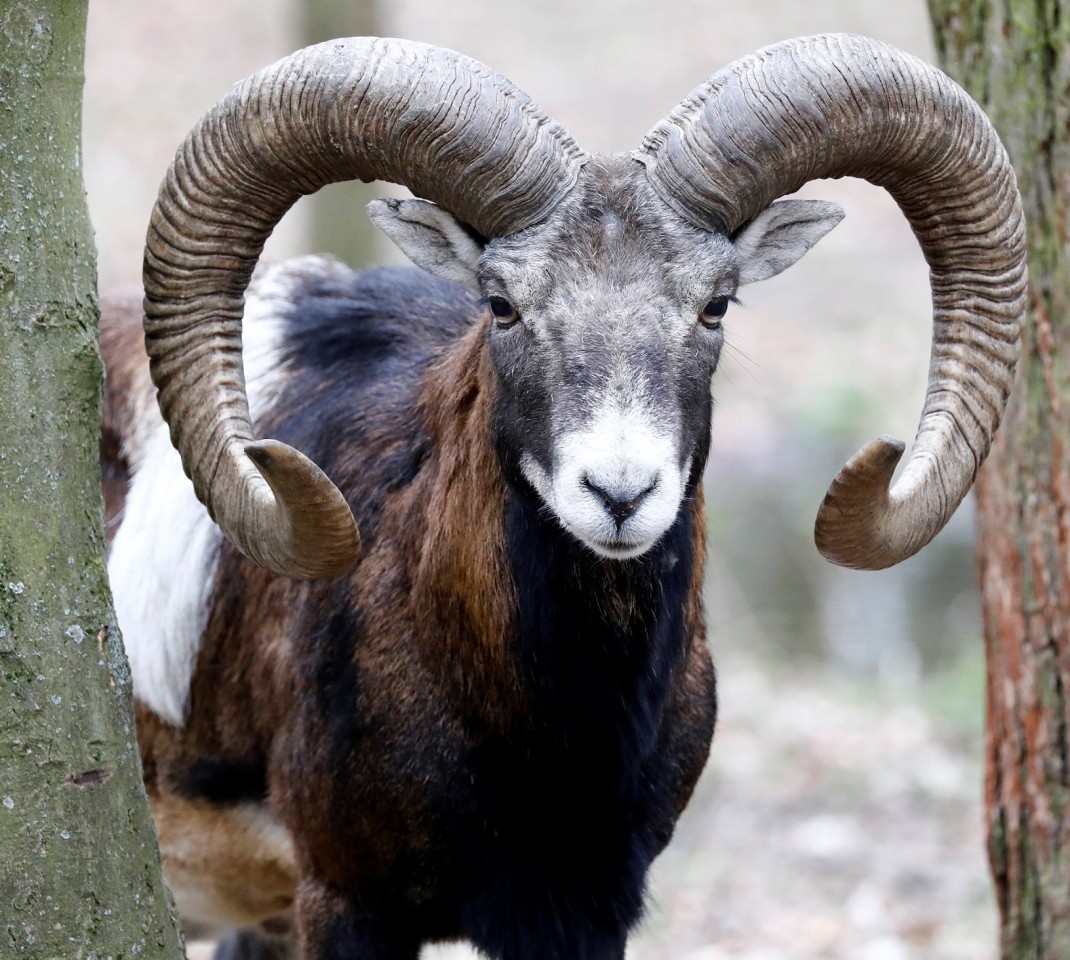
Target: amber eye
[504,312]
[713,311]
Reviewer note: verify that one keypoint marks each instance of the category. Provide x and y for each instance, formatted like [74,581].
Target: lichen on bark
[80,872]
[1014,57]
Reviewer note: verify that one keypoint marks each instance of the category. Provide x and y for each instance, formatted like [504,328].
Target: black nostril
[620,505]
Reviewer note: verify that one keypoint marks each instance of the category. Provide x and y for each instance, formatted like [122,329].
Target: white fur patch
[161,567]
[163,559]
[623,454]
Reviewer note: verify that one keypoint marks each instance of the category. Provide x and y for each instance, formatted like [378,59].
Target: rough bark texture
[79,870]
[1014,57]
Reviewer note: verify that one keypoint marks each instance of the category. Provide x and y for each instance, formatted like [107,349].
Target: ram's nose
[620,501]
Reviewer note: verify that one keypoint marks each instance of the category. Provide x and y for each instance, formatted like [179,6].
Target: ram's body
[486,730]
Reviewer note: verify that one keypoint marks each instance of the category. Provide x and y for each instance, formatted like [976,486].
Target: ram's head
[606,276]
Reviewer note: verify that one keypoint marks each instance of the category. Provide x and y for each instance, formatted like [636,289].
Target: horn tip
[311,533]
[850,529]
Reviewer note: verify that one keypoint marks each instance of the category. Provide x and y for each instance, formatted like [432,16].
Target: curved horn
[837,106]
[446,126]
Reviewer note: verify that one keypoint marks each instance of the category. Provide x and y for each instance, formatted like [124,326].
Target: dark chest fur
[572,806]
[529,834]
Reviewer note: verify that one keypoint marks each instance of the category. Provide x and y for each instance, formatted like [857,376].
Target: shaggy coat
[485,731]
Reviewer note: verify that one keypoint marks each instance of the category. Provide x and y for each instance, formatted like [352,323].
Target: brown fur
[129,400]
[691,692]
[440,556]
[462,575]
[436,571]
[225,865]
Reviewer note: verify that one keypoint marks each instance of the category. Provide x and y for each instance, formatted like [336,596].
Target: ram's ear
[430,237]
[781,234]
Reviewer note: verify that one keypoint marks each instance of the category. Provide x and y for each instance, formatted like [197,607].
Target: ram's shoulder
[330,313]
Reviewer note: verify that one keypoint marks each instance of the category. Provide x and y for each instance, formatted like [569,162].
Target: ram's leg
[547,938]
[560,947]
[257,944]
[330,927]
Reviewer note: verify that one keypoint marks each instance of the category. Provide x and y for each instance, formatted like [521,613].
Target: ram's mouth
[619,549]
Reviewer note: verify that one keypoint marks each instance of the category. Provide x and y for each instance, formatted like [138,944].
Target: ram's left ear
[781,234]
[430,237]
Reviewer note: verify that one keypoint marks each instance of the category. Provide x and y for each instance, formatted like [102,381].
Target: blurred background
[840,815]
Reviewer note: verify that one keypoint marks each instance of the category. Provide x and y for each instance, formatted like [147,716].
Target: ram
[481,719]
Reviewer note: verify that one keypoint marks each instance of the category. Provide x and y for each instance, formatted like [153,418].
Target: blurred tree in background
[79,869]
[338,223]
[1014,57]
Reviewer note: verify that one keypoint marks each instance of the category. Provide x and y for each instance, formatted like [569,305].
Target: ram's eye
[712,313]
[504,312]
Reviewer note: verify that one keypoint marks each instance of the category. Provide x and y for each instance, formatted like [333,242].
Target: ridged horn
[839,106]
[445,126]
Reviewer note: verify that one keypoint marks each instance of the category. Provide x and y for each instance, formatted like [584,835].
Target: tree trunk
[1014,57]
[338,222]
[79,869]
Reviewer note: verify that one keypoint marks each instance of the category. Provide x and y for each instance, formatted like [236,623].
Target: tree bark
[1014,57]
[79,869]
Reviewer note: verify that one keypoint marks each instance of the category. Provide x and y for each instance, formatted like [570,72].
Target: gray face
[604,331]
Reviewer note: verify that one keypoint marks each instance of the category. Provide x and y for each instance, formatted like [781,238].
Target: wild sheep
[485,723]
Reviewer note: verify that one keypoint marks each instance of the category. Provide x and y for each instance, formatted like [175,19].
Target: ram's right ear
[781,234]
[432,238]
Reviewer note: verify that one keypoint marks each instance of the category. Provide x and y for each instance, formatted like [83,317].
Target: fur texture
[487,731]
[164,557]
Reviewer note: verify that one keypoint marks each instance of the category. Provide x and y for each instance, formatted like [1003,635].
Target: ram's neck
[523,617]
[600,643]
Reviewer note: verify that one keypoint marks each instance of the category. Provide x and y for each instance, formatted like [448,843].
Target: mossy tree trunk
[79,870]
[1014,57]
